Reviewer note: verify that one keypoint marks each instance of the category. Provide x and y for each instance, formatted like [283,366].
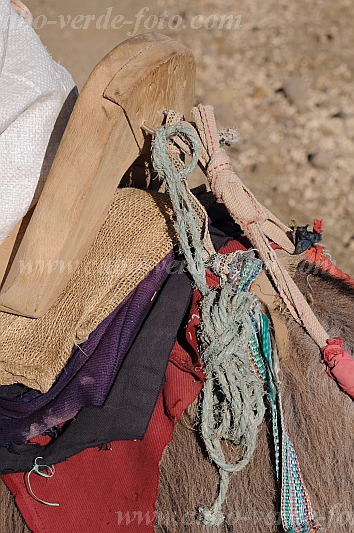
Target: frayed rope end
[210,517]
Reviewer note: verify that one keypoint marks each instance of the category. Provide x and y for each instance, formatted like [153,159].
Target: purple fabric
[89,373]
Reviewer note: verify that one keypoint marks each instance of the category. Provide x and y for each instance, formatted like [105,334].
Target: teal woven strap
[296,509]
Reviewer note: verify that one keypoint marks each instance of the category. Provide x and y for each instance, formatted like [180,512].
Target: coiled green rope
[232,404]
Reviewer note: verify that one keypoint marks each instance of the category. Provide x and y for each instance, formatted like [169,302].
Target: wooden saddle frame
[132,85]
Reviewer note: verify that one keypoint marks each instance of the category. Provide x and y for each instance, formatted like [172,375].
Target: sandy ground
[283,76]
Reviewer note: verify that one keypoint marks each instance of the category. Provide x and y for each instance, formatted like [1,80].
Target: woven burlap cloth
[136,235]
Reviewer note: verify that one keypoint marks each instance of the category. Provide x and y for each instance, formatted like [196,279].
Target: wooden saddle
[132,85]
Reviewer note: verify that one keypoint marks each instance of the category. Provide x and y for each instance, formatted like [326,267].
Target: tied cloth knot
[340,365]
[222,177]
[333,352]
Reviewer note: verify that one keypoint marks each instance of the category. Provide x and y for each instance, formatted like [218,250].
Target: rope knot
[340,365]
[257,219]
[333,352]
[219,170]
[210,518]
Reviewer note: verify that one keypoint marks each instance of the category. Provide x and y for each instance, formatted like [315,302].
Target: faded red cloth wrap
[316,256]
[317,225]
[340,365]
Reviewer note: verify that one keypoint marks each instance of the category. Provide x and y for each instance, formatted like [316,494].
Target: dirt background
[284,78]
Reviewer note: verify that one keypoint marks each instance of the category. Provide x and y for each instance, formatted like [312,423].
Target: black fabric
[127,410]
[218,214]
[220,219]
[305,239]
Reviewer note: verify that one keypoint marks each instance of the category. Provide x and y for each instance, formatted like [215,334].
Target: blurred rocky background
[282,74]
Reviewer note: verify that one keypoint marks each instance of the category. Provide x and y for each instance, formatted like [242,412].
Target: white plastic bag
[33,89]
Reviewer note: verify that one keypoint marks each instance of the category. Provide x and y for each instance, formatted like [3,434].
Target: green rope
[175,180]
[232,404]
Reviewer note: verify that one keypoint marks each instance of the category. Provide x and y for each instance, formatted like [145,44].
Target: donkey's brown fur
[11,520]
[320,421]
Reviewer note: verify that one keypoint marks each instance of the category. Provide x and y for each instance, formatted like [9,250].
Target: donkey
[320,421]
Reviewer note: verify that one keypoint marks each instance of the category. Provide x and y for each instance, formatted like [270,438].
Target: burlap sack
[135,237]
